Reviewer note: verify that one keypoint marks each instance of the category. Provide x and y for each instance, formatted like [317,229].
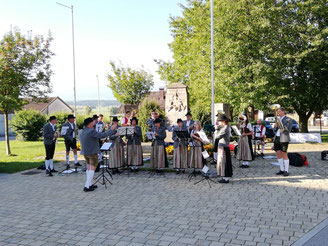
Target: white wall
[57,106]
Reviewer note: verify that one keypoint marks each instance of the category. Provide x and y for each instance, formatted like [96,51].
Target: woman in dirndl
[158,156]
[196,148]
[224,165]
[134,150]
[116,155]
[245,151]
[180,158]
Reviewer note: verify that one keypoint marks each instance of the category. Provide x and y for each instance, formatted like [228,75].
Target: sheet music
[236,130]
[205,154]
[106,146]
[150,135]
[64,130]
[203,136]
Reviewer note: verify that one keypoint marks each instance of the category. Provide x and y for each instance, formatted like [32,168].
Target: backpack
[295,159]
[305,162]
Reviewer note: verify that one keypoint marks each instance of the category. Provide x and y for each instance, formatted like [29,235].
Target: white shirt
[125,119]
[53,126]
[278,132]
[187,122]
[72,125]
[99,127]
[258,132]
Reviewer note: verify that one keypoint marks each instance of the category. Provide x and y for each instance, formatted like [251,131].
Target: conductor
[89,139]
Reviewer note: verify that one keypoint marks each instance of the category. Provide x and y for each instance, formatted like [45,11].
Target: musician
[259,134]
[150,121]
[116,155]
[158,156]
[224,166]
[180,158]
[134,149]
[125,120]
[281,140]
[245,150]
[196,157]
[89,138]
[70,139]
[99,127]
[189,123]
[50,136]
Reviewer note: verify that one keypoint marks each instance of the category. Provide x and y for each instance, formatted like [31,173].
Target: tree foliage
[24,71]
[262,48]
[28,124]
[129,86]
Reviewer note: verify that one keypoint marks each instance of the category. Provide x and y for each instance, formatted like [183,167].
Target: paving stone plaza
[256,208]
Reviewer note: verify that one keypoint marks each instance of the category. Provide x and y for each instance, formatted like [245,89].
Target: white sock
[226,179]
[46,162]
[281,164]
[90,177]
[75,159]
[286,165]
[262,149]
[51,164]
[246,163]
[86,182]
[67,159]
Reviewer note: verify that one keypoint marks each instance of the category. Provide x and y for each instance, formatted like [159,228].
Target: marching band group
[188,153]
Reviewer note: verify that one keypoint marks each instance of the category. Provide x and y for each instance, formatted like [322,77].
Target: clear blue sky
[131,31]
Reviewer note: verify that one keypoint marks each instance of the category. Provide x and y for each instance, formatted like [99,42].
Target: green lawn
[24,155]
[324,137]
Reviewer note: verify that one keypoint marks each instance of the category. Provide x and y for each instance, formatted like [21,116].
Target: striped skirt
[157,157]
[244,152]
[134,153]
[180,158]
[196,157]
[116,156]
[224,165]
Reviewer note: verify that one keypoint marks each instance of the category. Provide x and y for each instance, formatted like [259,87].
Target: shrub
[144,113]
[28,124]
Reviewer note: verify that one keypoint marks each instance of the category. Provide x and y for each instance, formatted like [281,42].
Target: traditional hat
[52,118]
[70,116]
[242,117]
[188,114]
[179,120]
[87,121]
[222,117]
[157,120]
[134,118]
[115,119]
[95,117]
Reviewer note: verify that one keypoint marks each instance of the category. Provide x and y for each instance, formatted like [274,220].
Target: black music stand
[183,136]
[125,132]
[101,178]
[206,177]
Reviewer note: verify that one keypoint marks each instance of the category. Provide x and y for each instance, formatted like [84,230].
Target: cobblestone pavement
[256,208]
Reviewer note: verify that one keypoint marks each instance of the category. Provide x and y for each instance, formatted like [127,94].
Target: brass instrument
[278,122]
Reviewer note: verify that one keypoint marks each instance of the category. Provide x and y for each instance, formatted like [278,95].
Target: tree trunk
[304,118]
[8,152]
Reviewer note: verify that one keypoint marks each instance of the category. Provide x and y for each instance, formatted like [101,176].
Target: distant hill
[94,103]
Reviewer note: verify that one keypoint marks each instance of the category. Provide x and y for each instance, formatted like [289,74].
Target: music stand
[125,132]
[206,176]
[183,136]
[101,178]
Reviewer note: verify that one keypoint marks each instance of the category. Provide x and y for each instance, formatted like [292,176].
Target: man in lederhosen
[69,134]
[49,138]
[281,140]
[188,123]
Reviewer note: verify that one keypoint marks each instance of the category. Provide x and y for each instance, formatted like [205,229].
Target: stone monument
[176,102]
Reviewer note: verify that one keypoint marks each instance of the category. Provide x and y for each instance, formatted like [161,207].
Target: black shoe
[136,170]
[262,154]
[177,172]
[88,189]
[244,166]
[183,171]
[77,164]
[54,171]
[68,167]
[280,172]
[94,186]
[47,171]
[223,181]
[286,174]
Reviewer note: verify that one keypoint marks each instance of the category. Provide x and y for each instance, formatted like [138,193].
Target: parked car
[269,133]
[295,127]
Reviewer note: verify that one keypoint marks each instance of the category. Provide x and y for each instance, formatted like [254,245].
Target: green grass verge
[324,137]
[24,155]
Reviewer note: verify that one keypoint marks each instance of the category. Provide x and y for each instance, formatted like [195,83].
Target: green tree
[24,71]
[129,86]
[87,110]
[28,124]
[144,114]
[300,56]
